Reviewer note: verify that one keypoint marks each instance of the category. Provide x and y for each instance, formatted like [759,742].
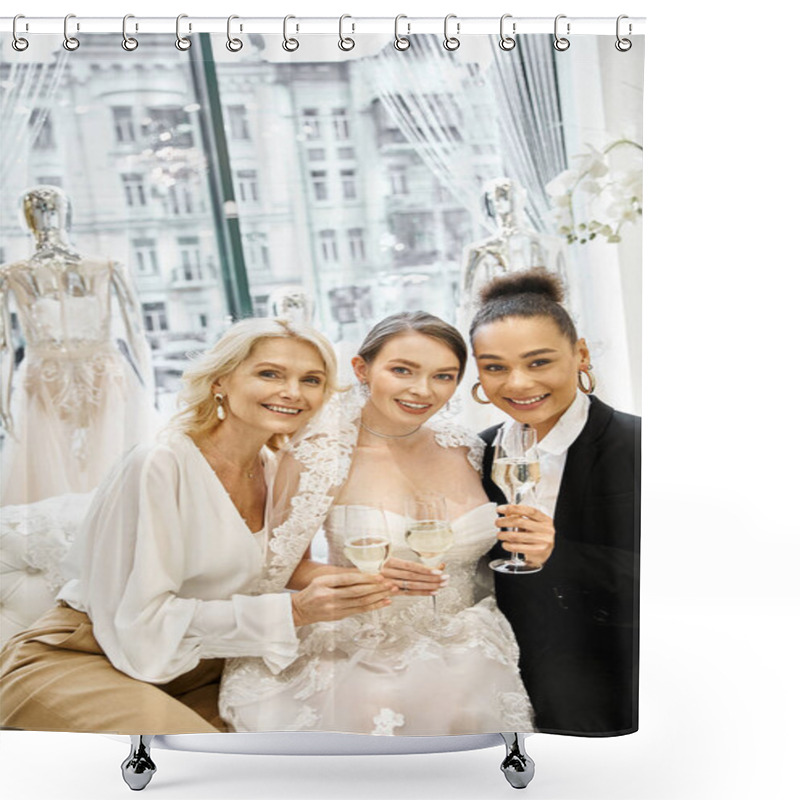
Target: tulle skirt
[74,414]
[457,676]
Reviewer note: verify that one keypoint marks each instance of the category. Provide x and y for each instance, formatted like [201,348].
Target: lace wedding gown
[78,404]
[454,675]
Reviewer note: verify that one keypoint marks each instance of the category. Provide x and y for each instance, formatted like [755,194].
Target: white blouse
[553,452]
[169,569]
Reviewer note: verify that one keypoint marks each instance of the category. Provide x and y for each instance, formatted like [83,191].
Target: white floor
[717,721]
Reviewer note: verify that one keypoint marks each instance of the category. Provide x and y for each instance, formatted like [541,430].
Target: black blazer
[577,621]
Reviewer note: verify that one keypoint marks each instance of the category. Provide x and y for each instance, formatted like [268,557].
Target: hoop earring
[586,374]
[476,397]
[221,413]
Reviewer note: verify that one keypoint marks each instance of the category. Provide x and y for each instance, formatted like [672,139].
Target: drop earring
[219,399]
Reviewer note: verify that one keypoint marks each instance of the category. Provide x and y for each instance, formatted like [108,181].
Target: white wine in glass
[367,553]
[428,531]
[516,472]
[367,546]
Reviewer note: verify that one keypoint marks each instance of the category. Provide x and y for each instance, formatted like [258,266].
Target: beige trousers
[55,677]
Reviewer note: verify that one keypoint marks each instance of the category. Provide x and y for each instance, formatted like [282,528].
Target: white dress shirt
[553,452]
[169,569]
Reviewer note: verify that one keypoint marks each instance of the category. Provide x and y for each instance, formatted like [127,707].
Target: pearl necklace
[389,435]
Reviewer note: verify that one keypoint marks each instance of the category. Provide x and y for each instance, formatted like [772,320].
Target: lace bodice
[474,534]
[63,307]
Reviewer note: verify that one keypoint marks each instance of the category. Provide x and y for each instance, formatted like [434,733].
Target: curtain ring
[623,45]
[451,42]
[70,42]
[234,45]
[560,43]
[401,42]
[19,44]
[182,42]
[345,42]
[507,42]
[128,42]
[289,45]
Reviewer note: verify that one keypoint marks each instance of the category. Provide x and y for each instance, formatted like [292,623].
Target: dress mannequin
[515,246]
[78,402]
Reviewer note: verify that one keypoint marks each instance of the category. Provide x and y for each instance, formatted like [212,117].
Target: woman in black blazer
[577,620]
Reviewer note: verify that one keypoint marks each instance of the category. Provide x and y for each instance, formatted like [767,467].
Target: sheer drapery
[525,90]
[441,104]
[27,93]
[446,105]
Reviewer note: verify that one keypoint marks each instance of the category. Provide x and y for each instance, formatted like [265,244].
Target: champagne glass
[367,545]
[515,471]
[428,531]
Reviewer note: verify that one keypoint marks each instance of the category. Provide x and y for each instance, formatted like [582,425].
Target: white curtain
[26,95]
[525,92]
[445,107]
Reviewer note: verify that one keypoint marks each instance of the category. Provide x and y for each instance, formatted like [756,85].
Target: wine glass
[428,531]
[367,545]
[515,470]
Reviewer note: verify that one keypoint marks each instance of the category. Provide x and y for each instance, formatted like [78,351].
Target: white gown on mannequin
[457,675]
[77,404]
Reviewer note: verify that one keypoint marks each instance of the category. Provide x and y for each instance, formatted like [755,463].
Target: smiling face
[410,379]
[276,389]
[529,369]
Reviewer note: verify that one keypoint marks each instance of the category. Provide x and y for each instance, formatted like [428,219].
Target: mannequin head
[504,199]
[47,210]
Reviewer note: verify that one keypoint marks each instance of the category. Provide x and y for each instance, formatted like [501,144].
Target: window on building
[135,195]
[346,153]
[355,241]
[145,257]
[257,251]
[181,199]
[348,177]
[155,317]
[316,154]
[398,180]
[310,124]
[124,130]
[238,124]
[42,128]
[247,184]
[341,124]
[319,183]
[329,248]
[50,180]
[168,126]
[191,268]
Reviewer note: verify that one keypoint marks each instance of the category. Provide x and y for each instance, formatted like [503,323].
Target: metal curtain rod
[461,26]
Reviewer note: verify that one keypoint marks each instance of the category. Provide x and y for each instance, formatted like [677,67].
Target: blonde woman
[172,551]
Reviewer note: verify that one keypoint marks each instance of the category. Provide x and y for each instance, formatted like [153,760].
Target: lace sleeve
[310,472]
[450,434]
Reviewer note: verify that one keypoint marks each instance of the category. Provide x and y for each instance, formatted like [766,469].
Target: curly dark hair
[533,293]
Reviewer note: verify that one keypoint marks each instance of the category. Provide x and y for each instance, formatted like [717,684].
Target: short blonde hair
[198,410]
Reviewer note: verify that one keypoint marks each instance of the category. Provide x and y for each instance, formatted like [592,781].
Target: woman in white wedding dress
[451,674]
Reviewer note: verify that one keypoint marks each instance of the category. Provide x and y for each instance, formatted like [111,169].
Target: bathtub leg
[518,766]
[138,768]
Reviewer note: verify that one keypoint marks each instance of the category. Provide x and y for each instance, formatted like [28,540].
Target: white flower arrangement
[610,196]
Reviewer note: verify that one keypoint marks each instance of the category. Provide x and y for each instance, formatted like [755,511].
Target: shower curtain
[335,186]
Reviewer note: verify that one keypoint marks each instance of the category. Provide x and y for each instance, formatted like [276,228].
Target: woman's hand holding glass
[533,534]
[340,594]
[414,579]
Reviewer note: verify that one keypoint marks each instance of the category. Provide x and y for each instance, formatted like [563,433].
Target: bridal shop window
[365,173]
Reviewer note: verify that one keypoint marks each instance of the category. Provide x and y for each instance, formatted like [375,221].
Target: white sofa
[34,540]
